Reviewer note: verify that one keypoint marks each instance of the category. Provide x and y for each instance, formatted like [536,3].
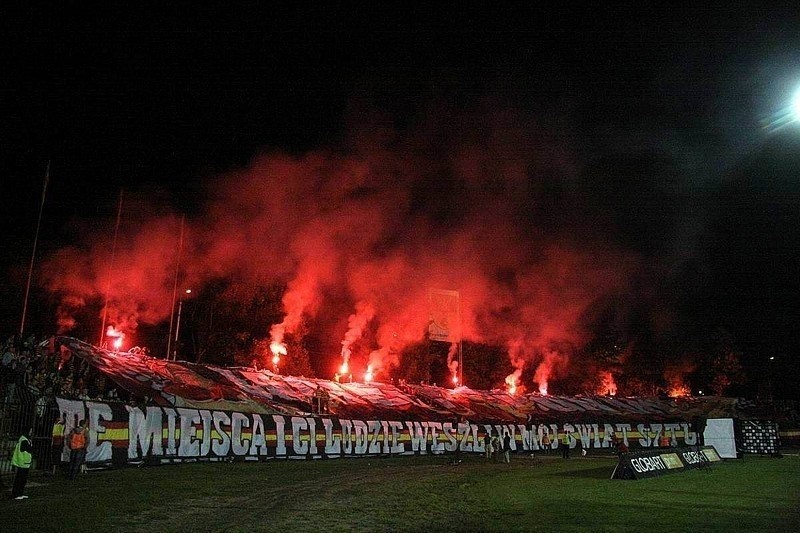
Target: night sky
[565,170]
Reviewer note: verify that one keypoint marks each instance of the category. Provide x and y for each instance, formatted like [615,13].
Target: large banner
[121,433]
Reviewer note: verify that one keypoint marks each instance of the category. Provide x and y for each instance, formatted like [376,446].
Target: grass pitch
[426,493]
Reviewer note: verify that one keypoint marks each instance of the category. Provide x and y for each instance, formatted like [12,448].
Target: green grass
[414,494]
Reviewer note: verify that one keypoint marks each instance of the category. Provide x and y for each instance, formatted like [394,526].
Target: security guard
[22,459]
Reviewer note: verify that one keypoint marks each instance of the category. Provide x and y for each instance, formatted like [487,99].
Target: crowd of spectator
[39,366]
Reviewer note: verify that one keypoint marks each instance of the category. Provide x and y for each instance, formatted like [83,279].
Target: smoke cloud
[487,204]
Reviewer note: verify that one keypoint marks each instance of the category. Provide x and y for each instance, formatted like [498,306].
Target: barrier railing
[27,411]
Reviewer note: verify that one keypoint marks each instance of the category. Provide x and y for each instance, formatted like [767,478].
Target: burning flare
[116,335]
[608,387]
[277,348]
[512,382]
[369,375]
[452,362]
[356,323]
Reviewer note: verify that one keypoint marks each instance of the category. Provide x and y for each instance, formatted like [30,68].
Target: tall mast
[33,253]
[175,289]
[108,281]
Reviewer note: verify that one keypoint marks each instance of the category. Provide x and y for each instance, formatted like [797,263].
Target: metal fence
[27,411]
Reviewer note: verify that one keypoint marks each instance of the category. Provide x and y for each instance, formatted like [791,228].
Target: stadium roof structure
[190,385]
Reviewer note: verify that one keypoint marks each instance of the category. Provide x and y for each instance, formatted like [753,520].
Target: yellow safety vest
[21,459]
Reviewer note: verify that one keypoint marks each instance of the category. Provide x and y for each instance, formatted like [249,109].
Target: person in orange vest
[22,459]
[76,442]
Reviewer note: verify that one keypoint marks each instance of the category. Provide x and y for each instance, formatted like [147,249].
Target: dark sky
[655,118]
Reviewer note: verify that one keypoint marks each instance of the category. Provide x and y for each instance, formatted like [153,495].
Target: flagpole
[108,281]
[175,289]
[33,254]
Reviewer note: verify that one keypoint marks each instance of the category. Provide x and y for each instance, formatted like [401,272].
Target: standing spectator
[487,444]
[507,448]
[565,446]
[57,436]
[495,448]
[22,459]
[546,442]
[76,441]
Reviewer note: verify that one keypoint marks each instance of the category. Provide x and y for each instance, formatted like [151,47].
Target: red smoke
[461,204]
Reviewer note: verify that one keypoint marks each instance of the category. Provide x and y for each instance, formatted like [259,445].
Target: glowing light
[455,380]
[276,359]
[784,117]
[344,368]
[116,335]
[543,388]
[277,349]
[796,105]
[369,375]
[188,291]
[678,390]
[512,384]
[607,384]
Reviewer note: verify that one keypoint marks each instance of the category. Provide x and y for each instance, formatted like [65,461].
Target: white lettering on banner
[312,430]
[333,443]
[585,434]
[397,447]
[644,431]
[259,444]
[347,436]
[98,452]
[205,445]
[624,429]
[608,431]
[239,445]
[669,429]
[385,430]
[144,430]
[360,431]
[172,444]
[656,433]
[512,431]
[221,445]
[447,431]
[418,432]
[193,433]
[689,437]
[280,425]
[298,446]
[375,441]
[464,433]
[436,445]
[189,446]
